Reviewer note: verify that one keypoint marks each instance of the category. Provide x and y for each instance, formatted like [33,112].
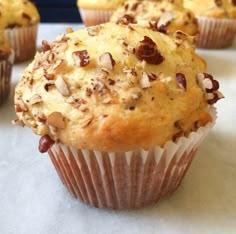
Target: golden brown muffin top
[17,13]
[163,16]
[99,4]
[212,8]
[115,88]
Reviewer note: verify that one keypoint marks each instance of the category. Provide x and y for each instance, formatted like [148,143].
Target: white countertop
[33,200]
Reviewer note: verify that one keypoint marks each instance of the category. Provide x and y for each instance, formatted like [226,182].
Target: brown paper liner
[23,41]
[216,33]
[126,180]
[5,76]
[95,17]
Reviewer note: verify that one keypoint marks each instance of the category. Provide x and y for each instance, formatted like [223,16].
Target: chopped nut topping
[88,92]
[147,51]
[21,106]
[144,81]
[164,20]
[210,87]
[76,102]
[152,77]
[107,100]
[49,76]
[62,86]
[35,99]
[181,80]
[183,38]
[86,120]
[81,58]
[94,30]
[69,30]
[48,85]
[126,19]
[45,46]
[45,143]
[57,120]
[107,62]
[18,122]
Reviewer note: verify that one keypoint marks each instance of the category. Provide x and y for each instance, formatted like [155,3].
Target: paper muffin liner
[126,180]
[216,33]
[5,76]
[95,17]
[23,41]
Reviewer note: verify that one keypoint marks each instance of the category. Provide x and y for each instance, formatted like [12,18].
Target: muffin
[6,62]
[121,109]
[19,21]
[217,22]
[163,16]
[95,12]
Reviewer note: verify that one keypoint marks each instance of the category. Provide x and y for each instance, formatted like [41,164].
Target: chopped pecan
[21,106]
[86,120]
[45,143]
[107,62]
[210,87]
[147,51]
[62,86]
[18,122]
[126,19]
[45,46]
[144,81]
[35,99]
[94,30]
[164,21]
[57,120]
[181,80]
[81,58]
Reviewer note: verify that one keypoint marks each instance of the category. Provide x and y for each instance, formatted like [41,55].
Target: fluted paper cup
[216,33]
[5,76]
[126,180]
[95,17]
[23,41]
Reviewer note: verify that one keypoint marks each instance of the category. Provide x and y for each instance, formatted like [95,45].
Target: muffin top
[115,88]
[163,15]
[5,47]
[17,13]
[99,4]
[212,8]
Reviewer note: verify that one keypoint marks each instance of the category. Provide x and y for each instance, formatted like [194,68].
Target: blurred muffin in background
[6,62]
[19,21]
[95,12]
[217,22]
[164,16]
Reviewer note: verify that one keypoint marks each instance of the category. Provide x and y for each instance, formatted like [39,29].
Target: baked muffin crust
[116,88]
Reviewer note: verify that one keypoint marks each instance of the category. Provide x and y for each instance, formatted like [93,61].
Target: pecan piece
[35,99]
[62,86]
[18,122]
[81,58]
[126,19]
[164,21]
[147,51]
[57,120]
[144,81]
[45,46]
[45,143]
[93,31]
[181,80]
[107,62]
